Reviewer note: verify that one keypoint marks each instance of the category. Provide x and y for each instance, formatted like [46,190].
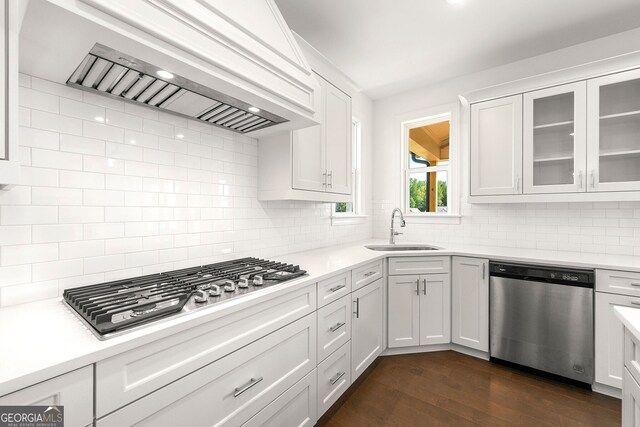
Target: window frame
[356,178]
[450,112]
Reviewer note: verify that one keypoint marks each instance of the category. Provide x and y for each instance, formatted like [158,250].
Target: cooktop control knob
[243,283]
[258,280]
[229,286]
[215,291]
[201,296]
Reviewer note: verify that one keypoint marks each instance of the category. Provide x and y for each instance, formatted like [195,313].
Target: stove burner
[121,304]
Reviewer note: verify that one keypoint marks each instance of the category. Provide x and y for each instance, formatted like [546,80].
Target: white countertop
[630,318]
[44,339]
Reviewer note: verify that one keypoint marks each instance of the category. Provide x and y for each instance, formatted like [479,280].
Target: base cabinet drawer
[232,389]
[136,373]
[334,326]
[73,390]
[293,408]
[334,377]
[333,288]
[419,265]
[366,274]
[618,282]
[630,401]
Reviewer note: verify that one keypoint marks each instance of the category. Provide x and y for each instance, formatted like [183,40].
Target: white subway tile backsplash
[56,196]
[27,215]
[81,110]
[81,249]
[28,254]
[97,130]
[81,214]
[55,122]
[137,192]
[55,159]
[123,120]
[56,233]
[82,145]
[39,138]
[37,100]
[57,269]
[73,179]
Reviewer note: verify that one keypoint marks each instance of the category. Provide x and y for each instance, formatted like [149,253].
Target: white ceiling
[388,46]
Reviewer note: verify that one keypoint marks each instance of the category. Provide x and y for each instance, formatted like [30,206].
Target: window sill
[432,219]
[348,219]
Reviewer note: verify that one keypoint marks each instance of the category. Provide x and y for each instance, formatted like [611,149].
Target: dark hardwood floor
[450,389]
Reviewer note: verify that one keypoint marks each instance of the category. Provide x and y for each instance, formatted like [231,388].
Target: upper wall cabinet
[312,163]
[613,132]
[9,162]
[245,52]
[577,142]
[554,149]
[496,146]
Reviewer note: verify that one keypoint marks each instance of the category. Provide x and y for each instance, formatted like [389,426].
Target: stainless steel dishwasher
[542,318]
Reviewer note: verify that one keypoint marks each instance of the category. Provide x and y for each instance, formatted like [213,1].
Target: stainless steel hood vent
[121,76]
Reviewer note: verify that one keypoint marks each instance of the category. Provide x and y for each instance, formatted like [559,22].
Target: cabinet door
[73,390]
[308,151]
[496,146]
[470,302]
[337,121]
[3,76]
[613,132]
[555,143]
[610,338]
[404,310]
[366,327]
[630,401]
[435,309]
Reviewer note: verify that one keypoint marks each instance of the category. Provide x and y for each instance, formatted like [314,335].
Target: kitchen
[430,232]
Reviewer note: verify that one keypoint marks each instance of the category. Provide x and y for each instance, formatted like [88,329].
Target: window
[427,163]
[354,207]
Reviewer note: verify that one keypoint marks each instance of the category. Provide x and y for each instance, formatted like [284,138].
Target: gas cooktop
[122,304]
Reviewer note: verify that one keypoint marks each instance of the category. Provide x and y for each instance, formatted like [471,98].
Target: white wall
[588,227]
[100,202]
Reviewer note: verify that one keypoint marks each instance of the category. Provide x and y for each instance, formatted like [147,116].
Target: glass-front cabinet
[613,132]
[554,140]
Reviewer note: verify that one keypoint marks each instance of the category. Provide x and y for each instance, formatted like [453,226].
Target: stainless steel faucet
[394,233]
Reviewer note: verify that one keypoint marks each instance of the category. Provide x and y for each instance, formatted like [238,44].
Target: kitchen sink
[402,247]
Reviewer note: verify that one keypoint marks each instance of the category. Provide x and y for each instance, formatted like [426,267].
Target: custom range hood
[117,75]
[214,61]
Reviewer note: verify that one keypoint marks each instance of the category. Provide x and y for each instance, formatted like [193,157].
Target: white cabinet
[337,133]
[230,390]
[630,401]
[419,310]
[554,147]
[470,302]
[334,326]
[334,377]
[73,390]
[295,407]
[496,146]
[9,162]
[128,376]
[312,163]
[610,337]
[366,326]
[613,133]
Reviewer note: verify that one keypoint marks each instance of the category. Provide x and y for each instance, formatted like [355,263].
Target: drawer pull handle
[371,273]
[635,284]
[251,383]
[635,302]
[357,312]
[337,326]
[336,378]
[337,288]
